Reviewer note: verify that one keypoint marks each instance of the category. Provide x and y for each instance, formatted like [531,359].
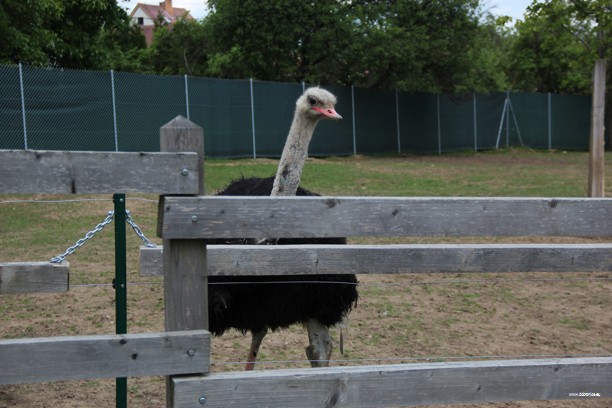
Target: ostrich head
[313,105]
[317,103]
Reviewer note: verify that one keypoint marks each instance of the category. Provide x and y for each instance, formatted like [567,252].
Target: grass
[512,172]
[416,315]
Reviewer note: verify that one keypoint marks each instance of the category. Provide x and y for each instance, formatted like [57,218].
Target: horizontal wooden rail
[401,385]
[294,217]
[83,357]
[32,277]
[61,172]
[388,259]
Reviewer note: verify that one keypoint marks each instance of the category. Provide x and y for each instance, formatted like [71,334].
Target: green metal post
[120,287]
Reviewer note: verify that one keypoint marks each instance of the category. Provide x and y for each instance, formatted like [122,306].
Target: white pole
[253,120]
[475,124]
[439,125]
[549,123]
[399,143]
[508,119]
[187,97]
[114,110]
[23,114]
[353,114]
[501,124]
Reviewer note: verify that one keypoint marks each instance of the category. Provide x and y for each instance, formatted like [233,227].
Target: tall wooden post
[596,142]
[184,261]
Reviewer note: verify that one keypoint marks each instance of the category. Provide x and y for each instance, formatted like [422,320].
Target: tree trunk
[596,142]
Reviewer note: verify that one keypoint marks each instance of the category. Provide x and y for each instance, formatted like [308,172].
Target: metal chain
[87,237]
[98,228]
[138,231]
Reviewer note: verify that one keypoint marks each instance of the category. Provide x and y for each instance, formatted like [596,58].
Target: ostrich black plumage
[261,304]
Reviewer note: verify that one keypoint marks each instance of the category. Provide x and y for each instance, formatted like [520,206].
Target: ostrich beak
[328,113]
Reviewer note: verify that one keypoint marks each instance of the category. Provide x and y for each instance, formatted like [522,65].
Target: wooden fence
[187,222]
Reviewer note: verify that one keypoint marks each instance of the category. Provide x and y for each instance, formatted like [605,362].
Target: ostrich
[260,304]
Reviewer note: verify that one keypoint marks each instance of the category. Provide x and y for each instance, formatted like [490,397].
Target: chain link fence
[56,109]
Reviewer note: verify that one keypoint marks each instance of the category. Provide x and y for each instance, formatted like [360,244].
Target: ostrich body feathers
[256,303]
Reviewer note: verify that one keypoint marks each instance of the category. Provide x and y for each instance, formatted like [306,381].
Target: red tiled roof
[153,11]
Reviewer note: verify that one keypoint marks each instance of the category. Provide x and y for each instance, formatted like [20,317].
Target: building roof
[152,11]
[169,14]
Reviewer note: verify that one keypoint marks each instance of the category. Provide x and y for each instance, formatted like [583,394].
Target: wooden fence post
[596,144]
[185,277]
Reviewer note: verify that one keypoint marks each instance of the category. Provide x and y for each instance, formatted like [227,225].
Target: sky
[512,8]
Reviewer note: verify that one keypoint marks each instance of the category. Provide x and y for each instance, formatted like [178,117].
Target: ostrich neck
[294,156]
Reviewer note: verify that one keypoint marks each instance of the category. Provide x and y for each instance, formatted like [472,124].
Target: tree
[285,40]
[546,56]
[180,49]
[63,33]
[429,45]
[589,22]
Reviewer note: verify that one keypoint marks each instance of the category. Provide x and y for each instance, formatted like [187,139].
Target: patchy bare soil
[403,318]
[398,319]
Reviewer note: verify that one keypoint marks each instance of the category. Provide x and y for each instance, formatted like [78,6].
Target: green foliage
[412,45]
[558,42]
[449,46]
[180,49]
[286,40]
[64,33]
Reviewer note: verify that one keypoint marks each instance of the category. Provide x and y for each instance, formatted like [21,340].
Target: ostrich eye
[312,101]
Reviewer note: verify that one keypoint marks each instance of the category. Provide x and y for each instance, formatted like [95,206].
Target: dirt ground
[399,319]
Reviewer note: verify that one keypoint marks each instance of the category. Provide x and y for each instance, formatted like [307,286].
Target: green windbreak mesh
[274,104]
[11,131]
[144,104]
[489,110]
[570,121]
[418,122]
[456,122]
[531,115]
[106,111]
[375,121]
[223,109]
[68,110]
[335,138]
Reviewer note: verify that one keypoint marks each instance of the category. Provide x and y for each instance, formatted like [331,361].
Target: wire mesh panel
[456,123]
[375,121]
[570,121]
[145,103]
[11,131]
[68,109]
[335,138]
[274,105]
[223,109]
[489,109]
[531,111]
[418,122]
[78,110]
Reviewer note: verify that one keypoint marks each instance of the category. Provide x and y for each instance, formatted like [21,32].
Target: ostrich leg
[256,340]
[320,349]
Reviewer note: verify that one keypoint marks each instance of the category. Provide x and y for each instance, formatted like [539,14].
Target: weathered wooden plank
[596,137]
[151,262]
[62,172]
[182,135]
[293,217]
[389,259]
[401,385]
[32,277]
[82,357]
[185,278]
